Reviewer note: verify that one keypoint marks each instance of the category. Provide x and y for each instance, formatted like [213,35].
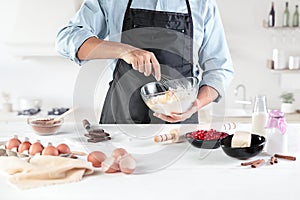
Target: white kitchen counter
[197,174]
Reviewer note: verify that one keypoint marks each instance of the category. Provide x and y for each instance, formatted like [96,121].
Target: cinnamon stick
[258,163]
[285,157]
[249,163]
[273,160]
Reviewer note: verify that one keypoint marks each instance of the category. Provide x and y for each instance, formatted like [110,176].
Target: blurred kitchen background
[31,69]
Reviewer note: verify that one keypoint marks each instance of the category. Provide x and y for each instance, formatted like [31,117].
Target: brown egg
[63,149]
[24,146]
[50,150]
[127,164]
[110,165]
[96,158]
[119,152]
[36,148]
[13,143]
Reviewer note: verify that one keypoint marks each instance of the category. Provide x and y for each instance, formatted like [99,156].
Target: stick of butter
[241,139]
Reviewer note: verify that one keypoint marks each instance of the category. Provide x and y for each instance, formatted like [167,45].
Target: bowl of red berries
[205,139]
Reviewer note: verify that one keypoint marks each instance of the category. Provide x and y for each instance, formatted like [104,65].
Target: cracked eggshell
[119,152]
[110,165]
[127,164]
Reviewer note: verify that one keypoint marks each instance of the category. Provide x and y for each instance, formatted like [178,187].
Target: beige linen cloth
[44,170]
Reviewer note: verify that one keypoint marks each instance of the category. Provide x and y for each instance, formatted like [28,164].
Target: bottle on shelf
[296,17]
[259,115]
[271,18]
[286,15]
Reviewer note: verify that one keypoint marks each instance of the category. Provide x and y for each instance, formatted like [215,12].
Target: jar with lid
[276,133]
[259,115]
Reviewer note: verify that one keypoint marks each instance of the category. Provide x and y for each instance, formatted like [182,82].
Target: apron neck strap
[187,5]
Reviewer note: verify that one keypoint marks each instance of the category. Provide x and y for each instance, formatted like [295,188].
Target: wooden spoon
[58,118]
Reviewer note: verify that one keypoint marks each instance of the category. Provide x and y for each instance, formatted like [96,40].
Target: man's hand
[178,117]
[205,96]
[143,61]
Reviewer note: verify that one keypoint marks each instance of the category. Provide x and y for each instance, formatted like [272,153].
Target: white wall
[52,79]
[30,26]
[48,78]
[251,45]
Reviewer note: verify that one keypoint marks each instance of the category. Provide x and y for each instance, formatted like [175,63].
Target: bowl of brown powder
[44,125]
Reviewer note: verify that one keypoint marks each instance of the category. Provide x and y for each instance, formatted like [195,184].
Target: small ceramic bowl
[257,145]
[44,126]
[204,144]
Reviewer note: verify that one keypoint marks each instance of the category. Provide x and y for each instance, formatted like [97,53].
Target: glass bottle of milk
[259,115]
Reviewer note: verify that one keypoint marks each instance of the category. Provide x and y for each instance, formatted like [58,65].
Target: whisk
[169,82]
[164,81]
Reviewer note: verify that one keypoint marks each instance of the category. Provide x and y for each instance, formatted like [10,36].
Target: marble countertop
[164,171]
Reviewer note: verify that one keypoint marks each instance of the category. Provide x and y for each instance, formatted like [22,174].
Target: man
[158,37]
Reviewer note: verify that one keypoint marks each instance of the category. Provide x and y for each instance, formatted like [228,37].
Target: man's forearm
[206,95]
[94,48]
[140,60]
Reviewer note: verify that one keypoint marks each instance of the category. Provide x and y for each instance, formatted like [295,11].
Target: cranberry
[207,135]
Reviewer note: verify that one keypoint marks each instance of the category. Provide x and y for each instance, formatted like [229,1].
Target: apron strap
[129,5]
[187,4]
[188,7]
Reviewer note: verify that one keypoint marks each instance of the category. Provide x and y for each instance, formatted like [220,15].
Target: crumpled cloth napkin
[44,170]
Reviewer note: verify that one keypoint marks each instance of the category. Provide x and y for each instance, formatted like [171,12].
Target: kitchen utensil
[179,97]
[175,136]
[257,145]
[163,81]
[169,82]
[205,144]
[58,118]
[44,126]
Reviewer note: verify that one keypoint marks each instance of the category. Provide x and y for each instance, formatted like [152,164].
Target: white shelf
[282,28]
[280,71]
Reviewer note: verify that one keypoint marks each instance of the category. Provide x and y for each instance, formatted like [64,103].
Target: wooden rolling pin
[175,137]
[86,124]
[229,126]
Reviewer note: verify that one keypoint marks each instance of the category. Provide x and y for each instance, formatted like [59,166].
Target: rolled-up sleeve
[214,55]
[89,21]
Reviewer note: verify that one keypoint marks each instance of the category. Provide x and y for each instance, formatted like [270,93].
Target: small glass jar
[276,133]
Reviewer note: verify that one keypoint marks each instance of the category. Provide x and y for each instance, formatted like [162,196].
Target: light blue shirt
[103,18]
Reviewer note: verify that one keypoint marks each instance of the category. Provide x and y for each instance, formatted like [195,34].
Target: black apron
[169,36]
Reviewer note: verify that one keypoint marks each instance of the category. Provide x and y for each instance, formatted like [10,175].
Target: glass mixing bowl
[172,96]
[44,125]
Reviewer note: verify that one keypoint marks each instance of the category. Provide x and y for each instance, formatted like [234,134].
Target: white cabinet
[29,27]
